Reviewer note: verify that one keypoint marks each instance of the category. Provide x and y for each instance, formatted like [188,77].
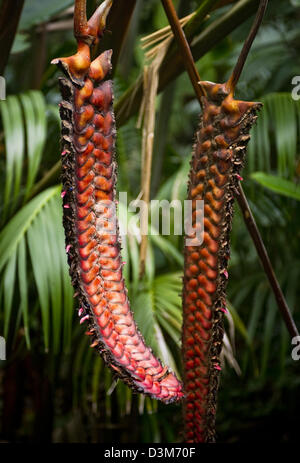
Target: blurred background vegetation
[53,387]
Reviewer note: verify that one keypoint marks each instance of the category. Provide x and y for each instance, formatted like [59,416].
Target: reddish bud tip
[83,319]
[94,344]
[80,311]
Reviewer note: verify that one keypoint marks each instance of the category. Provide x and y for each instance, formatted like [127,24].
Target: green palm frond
[24,126]
[32,246]
[278,185]
[275,139]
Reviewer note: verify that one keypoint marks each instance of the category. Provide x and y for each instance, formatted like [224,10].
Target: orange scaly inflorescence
[217,160]
[89,178]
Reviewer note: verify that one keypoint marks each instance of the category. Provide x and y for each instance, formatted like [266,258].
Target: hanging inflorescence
[89,179]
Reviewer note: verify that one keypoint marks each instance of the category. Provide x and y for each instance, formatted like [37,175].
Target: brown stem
[184,46]
[89,31]
[247,45]
[241,198]
[80,19]
[265,261]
